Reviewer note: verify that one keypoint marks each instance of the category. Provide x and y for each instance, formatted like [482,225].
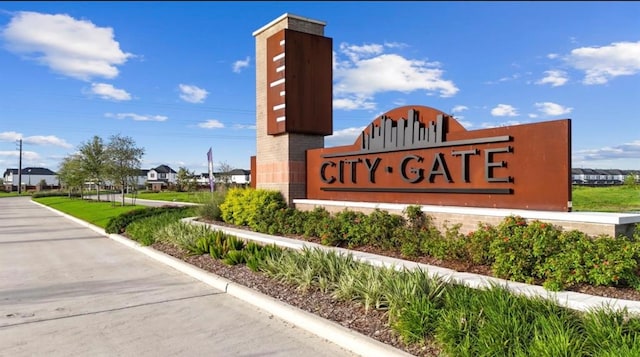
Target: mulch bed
[372,323]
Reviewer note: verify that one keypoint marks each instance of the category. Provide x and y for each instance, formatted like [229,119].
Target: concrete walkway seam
[334,332]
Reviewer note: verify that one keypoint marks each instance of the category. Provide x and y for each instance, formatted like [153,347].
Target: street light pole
[20,170]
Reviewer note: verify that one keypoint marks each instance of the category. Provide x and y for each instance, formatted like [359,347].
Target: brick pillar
[281,159]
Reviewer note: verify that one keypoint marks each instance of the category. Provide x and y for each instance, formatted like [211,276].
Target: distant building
[161,177]
[236,176]
[31,177]
[587,176]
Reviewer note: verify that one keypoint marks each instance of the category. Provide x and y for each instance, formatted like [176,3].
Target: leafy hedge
[532,252]
[250,207]
[55,194]
[119,223]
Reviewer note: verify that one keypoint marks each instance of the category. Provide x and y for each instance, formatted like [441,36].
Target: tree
[42,184]
[225,173]
[71,174]
[123,159]
[630,181]
[185,180]
[93,160]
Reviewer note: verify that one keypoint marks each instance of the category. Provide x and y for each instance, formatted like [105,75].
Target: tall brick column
[280,159]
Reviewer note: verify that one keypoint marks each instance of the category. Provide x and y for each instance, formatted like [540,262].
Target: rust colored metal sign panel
[420,155]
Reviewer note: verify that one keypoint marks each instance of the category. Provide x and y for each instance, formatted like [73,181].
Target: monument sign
[410,155]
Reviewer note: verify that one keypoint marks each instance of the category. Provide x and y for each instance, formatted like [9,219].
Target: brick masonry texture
[280,159]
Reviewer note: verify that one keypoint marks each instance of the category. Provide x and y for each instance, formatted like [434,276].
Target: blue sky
[179,77]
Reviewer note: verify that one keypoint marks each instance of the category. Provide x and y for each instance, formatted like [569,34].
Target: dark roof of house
[31,171]
[587,171]
[230,173]
[164,169]
[239,172]
[143,172]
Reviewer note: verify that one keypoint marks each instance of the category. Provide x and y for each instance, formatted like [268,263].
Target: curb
[348,339]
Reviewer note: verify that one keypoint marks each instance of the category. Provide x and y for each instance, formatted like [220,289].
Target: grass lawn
[94,212]
[606,199]
[11,194]
[193,197]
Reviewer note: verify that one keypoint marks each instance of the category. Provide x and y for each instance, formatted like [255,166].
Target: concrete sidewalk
[67,290]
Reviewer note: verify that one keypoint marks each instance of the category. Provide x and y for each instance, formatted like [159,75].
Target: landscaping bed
[372,323]
[625,293]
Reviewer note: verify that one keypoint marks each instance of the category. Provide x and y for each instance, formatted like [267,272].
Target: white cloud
[532,115]
[602,64]
[74,48]
[244,126]
[355,52]
[624,151]
[137,117]
[10,136]
[504,110]
[344,136]
[502,124]
[555,78]
[361,72]
[357,102]
[552,56]
[391,72]
[47,140]
[464,123]
[552,109]
[395,45]
[108,91]
[240,64]
[510,78]
[211,124]
[35,139]
[459,108]
[26,155]
[192,94]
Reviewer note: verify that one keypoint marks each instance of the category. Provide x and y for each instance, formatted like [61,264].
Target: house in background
[161,177]
[141,178]
[239,176]
[606,177]
[31,177]
[235,177]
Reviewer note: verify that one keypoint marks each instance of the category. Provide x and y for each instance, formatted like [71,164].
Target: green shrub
[381,227]
[314,222]
[210,209]
[119,223]
[234,257]
[143,230]
[478,244]
[451,245]
[520,248]
[55,194]
[250,207]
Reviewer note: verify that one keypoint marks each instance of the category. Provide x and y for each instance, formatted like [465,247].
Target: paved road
[67,291]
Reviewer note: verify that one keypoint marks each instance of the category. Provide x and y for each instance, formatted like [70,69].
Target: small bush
[250,207]
[315,220]
[520,248]
[478,244]
[55,194]
[119,223]
[210,209]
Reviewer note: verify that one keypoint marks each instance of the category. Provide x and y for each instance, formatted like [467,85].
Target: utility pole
[20,170]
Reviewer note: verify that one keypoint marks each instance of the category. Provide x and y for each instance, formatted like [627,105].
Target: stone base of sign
[591,223]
